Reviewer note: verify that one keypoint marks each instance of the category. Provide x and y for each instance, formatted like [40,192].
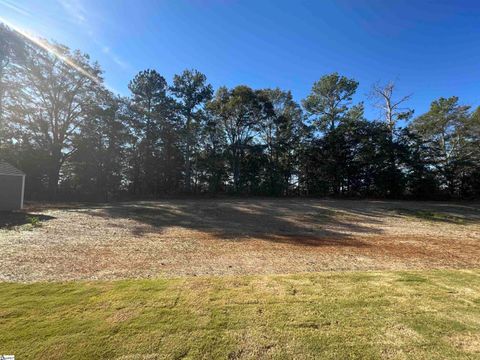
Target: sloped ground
[217,237]
[354,315]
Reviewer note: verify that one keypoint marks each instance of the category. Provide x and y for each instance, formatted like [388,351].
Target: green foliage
[49,100]
[76,140]
[192,92]
[240,113]
[154,126]
[34,221]
[98,164]
[329,100]
[445,130]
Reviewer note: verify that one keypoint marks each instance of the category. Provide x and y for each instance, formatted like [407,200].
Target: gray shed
[12,187]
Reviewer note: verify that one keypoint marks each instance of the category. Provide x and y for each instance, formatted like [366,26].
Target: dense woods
[76,140]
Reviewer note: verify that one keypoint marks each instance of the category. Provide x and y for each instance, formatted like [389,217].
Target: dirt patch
[216,237]
[469,343]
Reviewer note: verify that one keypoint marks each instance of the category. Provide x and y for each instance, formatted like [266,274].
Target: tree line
[77,140]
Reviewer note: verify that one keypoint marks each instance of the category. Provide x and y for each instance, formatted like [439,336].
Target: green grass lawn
[389,315]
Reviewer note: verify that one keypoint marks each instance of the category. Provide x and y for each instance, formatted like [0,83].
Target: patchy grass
[176,237]
[433,216]
[374,315]
[34,221]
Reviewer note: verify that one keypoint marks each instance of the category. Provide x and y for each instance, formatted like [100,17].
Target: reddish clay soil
[252,236]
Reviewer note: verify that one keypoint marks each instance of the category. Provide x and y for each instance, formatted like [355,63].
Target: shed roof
[7,169]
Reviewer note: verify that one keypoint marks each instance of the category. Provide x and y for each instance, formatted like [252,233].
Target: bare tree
[392,109]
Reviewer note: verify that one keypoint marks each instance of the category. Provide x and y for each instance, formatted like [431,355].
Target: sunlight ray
[51,49]
[15,7]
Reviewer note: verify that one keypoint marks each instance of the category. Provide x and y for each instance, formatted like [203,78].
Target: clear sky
[431,48]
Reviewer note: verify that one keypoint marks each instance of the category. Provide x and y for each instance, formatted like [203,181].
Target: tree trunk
[236,170]
[54,172]
[392,183]
[188,154]
[188,172]
[53,178]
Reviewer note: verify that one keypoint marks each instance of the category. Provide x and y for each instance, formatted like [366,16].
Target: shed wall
[11,188]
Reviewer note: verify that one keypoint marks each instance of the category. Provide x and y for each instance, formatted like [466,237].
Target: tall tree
[328,104]
[282,133]
[68,133]
[241,112]
[212,160]
[192,92]
[470,166]
[99,162]
[58,89]
[329,100]
[444,128]
[149,108]
[391,109]
[10,53]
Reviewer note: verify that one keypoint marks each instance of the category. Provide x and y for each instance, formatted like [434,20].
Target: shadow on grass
[293,222]
[433,216]
[11,219]
[303,222]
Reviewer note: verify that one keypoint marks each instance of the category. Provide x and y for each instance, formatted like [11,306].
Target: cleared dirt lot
[252,236]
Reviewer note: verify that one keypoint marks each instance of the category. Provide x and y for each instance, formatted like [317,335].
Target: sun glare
[46,46]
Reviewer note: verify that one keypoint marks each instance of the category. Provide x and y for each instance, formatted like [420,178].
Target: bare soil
[252,236]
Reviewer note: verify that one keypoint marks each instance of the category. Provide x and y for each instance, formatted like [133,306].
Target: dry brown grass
[198,237]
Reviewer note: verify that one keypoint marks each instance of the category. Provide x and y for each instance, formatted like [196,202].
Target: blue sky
[430,48]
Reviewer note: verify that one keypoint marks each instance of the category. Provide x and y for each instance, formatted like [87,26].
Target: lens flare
[51,49]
